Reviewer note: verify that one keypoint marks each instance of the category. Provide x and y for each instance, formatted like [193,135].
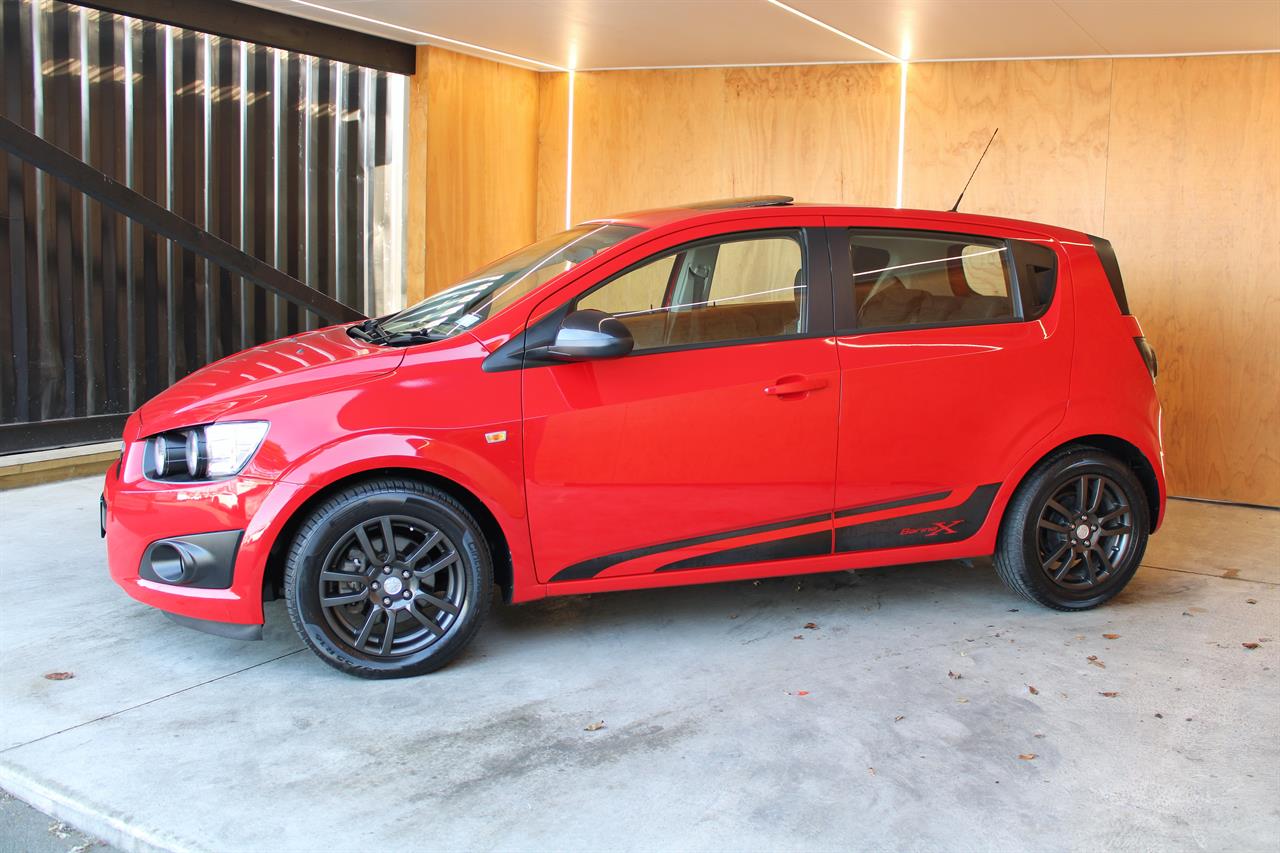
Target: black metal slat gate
[297,160]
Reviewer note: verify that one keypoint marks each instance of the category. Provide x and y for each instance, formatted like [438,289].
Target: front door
[711,444]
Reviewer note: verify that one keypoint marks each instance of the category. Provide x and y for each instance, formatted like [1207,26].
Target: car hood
[296,367]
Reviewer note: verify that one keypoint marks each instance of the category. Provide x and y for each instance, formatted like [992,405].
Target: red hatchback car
[716,392]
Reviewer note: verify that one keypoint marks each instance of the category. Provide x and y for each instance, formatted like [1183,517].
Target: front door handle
[791,386]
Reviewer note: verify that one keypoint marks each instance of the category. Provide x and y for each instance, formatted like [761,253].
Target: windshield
[493,288]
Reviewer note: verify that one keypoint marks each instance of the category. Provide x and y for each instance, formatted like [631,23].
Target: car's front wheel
[388,578]
[1075,530]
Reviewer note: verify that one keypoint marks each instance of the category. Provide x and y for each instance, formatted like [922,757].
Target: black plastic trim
[230,630]
[1024,256]
[934,526]
[208,559]
[735,203]
[1111,266]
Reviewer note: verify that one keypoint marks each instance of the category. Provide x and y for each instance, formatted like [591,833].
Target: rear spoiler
[1111,266]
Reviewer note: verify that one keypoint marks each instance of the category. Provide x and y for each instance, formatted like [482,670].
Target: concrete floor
[901,722]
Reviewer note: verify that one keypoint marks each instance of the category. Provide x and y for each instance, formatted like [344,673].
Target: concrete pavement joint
[1208,575]
[146,703]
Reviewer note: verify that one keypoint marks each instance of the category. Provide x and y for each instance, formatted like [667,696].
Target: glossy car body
[839,448]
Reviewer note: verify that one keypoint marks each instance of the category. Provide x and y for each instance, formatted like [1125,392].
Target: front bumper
[139,517]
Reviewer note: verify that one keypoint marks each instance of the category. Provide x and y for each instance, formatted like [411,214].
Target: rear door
[711,444]
[955,358]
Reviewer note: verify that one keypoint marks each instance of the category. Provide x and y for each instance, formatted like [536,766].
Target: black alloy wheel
[1085,531]
[393,585]
[1074,531]
[388,578]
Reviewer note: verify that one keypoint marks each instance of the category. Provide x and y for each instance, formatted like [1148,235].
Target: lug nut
[386,570]
[387,602]
[374,584]
[406,575]
[407,593]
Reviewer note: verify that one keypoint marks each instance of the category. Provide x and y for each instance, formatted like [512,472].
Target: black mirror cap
[589,334]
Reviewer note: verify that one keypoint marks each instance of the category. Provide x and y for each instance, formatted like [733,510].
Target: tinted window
[910,279]
[739,288]
[1037,267]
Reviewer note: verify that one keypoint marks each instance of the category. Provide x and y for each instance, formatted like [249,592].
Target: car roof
[751,207]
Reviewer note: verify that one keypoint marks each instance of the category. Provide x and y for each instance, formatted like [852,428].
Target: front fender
[490,470]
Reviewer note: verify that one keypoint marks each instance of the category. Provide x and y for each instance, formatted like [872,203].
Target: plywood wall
[473,166]
[1193,207]
[1177,161]
[1047,163]
[653,138]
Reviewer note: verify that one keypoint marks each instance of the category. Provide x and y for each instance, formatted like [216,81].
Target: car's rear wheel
[388,578]
[1075,530]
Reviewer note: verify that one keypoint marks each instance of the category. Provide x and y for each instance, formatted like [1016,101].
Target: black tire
[340,555]
[1043,553]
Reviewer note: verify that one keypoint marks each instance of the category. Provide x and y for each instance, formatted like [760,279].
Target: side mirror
[589,334]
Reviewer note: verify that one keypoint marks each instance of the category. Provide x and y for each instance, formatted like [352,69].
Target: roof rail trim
[745,201]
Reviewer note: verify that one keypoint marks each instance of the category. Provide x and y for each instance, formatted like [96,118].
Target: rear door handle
[789,386]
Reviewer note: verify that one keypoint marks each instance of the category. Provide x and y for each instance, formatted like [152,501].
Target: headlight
[205,452]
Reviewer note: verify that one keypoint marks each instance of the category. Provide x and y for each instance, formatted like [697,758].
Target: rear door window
[907,279]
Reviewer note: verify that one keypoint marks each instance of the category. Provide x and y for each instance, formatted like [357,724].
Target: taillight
[1148,356]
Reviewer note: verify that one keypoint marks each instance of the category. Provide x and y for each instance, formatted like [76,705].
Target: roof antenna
[956,206]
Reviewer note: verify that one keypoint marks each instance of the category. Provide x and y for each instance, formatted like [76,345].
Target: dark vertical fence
[274,152]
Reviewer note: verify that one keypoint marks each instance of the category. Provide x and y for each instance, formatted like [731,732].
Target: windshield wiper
[369,330]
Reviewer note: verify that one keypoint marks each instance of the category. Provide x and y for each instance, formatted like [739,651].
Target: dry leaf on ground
[594,727]
[1246,645]
[1033,690]
[1093,659]
[1112,636]
[1110,694]
[59,676]
[1027,756]
[951,674]
[812,626]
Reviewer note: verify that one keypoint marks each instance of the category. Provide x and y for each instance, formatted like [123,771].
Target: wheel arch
[1125,451]
[495,536]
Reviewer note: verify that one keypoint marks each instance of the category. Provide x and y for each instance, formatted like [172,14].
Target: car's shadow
[966,589]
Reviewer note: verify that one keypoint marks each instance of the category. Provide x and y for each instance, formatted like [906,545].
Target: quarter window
[907,279]
[737,289]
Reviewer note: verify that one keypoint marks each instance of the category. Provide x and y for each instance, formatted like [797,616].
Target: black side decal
[945,524]
[596,565]
[805,545]
[912,501]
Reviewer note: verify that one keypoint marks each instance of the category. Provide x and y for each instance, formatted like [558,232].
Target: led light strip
[835,30]
[568,160]
[902,131]
[433,36]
